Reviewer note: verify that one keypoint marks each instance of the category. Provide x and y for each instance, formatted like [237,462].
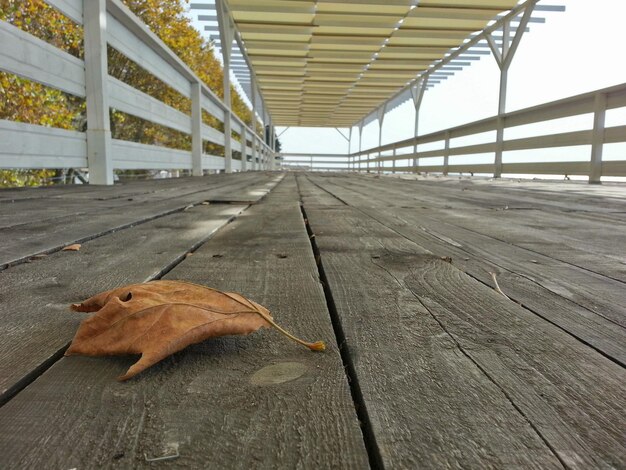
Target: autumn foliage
[24,101]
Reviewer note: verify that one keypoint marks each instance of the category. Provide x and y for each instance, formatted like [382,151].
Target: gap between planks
[592,329]
[571,445]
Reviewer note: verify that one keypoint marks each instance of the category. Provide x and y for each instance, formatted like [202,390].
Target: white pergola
[345,63]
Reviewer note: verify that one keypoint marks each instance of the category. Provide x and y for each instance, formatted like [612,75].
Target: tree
[277,144]
[167,19]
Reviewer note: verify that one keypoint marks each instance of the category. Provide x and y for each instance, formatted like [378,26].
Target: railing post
[381,119]
[270,131]
[196,129]
[253,136]
[446,154]
[244,147]
[226,39]
[228,151]
[360,145]
[99,141]
[349,147]
[253,143]
[597,140]
[257,162]
[393,162]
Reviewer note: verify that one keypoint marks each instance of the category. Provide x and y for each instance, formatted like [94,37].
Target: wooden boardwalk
[429,365]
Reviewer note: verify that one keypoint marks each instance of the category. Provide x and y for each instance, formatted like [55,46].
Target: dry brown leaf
[74,247]
[159,318]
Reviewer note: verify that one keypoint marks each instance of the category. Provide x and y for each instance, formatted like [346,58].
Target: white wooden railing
[110,22]
[596,103]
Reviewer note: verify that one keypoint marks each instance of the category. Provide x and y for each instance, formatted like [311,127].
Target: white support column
[254,138]
[500,124]
[196,129]
[417,93]
[96,76]
[504,56]
[597,142]
[227,33]
[360,143]
[381,118]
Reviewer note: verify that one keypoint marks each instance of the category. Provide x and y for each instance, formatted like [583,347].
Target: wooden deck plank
[126,188]
[589,306]
[561,232]
[219,404]
[36,320]
[597,293]
[24,211]
[578,197]
[569,396]
[429,405]
[40,235]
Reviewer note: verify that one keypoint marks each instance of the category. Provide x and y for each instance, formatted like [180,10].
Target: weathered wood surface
[445,372]
[568,229]
[30,228]
[35,297]
[588,305]
[452,373]
[244,402]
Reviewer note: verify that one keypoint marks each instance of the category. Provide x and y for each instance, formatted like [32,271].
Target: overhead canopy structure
[334,61]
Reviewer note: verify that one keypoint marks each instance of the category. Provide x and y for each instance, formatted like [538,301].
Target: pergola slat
[340,59]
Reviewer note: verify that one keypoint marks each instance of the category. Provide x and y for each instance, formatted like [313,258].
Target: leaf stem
[317,346]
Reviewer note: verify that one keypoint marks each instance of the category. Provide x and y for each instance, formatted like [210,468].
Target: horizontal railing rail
[596,103]
[110,22]
[315,161]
